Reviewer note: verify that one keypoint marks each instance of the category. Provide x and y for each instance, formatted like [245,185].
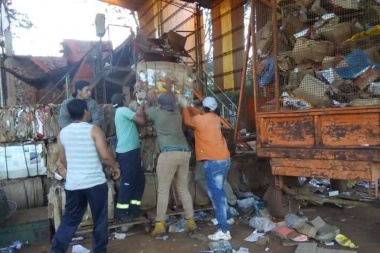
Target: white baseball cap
[210,102]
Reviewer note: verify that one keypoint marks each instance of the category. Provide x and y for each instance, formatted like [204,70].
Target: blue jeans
[216,174]
[76,206]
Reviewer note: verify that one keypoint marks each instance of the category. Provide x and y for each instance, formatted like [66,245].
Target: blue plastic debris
[266,72]
[358,62]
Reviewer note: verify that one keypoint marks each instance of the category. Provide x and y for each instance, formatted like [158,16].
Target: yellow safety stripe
[136,202]
[122,206]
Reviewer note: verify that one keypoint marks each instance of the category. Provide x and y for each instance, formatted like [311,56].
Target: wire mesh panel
[316,54]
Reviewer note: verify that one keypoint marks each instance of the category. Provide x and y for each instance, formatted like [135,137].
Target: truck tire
[280,203]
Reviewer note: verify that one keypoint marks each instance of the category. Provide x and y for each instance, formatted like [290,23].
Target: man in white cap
[173,162]
[211,149]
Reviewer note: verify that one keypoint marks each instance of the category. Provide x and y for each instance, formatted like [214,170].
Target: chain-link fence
[317,54]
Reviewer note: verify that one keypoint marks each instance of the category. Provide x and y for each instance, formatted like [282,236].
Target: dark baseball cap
[117,100]
[166,101]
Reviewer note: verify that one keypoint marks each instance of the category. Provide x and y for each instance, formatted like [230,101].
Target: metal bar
[270,5]
[242,81]
[60,95]
[67,88]
[254,50]
[275,53]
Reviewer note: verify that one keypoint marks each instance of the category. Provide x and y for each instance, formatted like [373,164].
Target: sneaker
[229,221]
[220,235]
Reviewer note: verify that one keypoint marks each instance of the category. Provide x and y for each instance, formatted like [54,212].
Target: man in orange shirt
[211,148]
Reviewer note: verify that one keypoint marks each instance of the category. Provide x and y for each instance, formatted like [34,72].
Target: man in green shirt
[129,158]
[173,162]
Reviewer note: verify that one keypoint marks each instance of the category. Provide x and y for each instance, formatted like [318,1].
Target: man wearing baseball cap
[173,161]
[82,91]
[128,156]
[211,149]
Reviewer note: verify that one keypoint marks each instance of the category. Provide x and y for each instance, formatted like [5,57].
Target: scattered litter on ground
[262,223]
[16,245]
[242,250]
[165,237]
[178,226]
[263,240]
[222,247]
[80,249]
[310,247]
[287,233]
[254,237]
[344,241]
[118,236]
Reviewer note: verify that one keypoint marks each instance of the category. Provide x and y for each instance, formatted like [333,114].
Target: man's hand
[115,173]
[182,101]
[152,96]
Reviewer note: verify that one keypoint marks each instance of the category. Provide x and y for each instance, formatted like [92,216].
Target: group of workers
[83,149]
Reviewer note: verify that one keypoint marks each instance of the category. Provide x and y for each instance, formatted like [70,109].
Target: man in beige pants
[173,162]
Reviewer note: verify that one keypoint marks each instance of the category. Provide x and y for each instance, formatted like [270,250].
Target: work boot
[159,228]
[190,225]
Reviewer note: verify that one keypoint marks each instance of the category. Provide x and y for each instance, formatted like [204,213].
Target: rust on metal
[359,154]
[333,169]
[290,131]
[351,130]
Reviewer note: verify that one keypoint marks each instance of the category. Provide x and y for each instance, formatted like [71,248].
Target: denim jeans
[75,208]
[216,174]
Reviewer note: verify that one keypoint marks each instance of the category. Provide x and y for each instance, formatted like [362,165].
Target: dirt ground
[361,225]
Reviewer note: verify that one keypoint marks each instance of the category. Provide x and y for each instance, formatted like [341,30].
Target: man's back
[168,125]
[84,167]
[126,130]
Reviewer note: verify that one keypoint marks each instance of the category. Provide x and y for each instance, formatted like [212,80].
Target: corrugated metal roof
[129,4]
[135,4]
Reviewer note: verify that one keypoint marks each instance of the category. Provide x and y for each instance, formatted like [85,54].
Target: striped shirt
[84,167]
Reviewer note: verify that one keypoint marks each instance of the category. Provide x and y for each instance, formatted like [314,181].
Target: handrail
[209,90]
[224,106]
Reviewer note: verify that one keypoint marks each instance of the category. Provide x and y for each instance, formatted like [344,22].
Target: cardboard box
[264,40]
[330,76]
[57,202]
[337,33]
[27,193]
[316,51]
[331,61]
[313,90]
[366,78]
[317,9]
[285,62]
[346,4]
[52,158]
[20,160]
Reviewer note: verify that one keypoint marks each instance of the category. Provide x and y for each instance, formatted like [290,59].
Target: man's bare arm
[61,152]
[139,117]
[101,146]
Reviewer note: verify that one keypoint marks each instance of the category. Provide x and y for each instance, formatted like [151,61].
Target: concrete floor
[361,225]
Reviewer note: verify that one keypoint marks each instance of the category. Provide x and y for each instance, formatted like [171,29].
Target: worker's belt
[175,149]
